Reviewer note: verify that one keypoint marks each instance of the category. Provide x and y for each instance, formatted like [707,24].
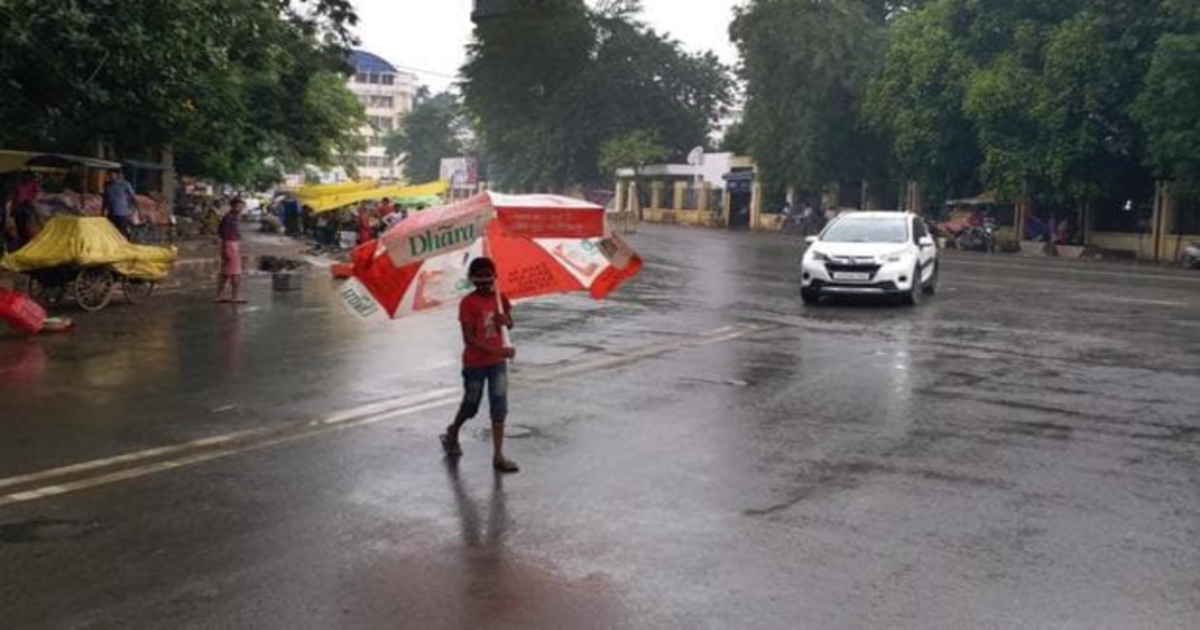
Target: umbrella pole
[499,300]
[500,309]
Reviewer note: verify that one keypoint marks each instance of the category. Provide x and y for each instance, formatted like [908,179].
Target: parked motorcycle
[1191,256]
[978,238]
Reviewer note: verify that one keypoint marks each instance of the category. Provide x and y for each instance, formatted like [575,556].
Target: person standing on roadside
[484,315]
[366,230]
[385,210]
[231,253]
[119,202]
[24,208]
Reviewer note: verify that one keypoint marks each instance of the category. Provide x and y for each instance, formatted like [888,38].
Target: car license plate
[852,276]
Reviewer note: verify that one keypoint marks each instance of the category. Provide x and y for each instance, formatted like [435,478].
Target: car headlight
[819,256]
[893,257]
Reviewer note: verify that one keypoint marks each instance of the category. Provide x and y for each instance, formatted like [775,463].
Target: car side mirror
[811,240]
[926,241]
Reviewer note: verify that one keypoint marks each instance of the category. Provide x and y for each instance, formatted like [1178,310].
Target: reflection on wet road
[701,452]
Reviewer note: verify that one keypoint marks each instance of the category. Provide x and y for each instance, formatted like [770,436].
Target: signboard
[461,172]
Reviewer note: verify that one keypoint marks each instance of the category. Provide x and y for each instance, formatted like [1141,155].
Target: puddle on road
[511,432]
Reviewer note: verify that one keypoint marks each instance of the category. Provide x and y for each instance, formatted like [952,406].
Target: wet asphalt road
[1022,451]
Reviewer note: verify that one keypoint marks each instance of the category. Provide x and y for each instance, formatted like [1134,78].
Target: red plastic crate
[21,312]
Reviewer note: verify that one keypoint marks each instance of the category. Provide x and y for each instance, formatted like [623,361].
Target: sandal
[452,447]
[506,466]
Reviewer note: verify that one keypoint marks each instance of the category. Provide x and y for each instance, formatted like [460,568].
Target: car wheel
[810,296]
[931,286]
[913,297]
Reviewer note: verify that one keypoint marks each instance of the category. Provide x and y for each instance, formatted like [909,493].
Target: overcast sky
[428,37]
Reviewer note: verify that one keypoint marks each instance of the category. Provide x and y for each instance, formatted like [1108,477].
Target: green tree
[1166,107]
[430,132]
[517,83]
[642,80]
[1034,97]
[549,82]
[634,150]
[916,99]
[806,64]
[736,139]
[226,83]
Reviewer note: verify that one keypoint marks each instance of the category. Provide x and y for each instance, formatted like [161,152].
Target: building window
[382,123]
[384,102]
[361,77]
[389,79]
[373,161]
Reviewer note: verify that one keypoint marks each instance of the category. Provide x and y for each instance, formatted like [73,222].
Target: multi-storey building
[387,94]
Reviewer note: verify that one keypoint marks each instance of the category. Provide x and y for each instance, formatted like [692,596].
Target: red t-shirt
[478,313]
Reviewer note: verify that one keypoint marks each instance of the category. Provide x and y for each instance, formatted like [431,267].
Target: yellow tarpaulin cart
[85,258]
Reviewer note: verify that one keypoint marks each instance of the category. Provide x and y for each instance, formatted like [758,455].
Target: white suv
[871,253]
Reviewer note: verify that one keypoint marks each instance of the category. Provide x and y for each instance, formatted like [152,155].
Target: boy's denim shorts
[496,379]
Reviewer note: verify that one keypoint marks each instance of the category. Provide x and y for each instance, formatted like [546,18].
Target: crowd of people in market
[342,228]
[28,199]
[339,229]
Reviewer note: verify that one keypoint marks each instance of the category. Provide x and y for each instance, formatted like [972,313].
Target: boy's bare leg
[236,283]
[450,439]
[452,430]
[221,280]
[499,461]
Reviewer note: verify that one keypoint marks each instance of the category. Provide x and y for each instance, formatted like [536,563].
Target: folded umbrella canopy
[542,245]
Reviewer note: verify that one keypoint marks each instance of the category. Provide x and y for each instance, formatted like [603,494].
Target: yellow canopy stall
[305,193]
[330,202]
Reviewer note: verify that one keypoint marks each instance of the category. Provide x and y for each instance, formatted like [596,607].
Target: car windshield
[867,230]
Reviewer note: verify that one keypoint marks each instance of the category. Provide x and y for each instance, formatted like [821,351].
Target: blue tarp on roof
[364,61]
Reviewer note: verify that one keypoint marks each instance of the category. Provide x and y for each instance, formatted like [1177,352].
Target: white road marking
[147,469]
[131,457]
[373,413]
[217,440]
[1121,300]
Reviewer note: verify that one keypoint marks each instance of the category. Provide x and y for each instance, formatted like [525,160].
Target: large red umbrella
[542,245]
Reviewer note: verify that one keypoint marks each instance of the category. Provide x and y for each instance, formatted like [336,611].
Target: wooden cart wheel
[45,295]
[93,288]
[137,291]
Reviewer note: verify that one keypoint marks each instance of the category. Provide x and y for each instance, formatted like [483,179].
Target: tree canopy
[634,150]
[1167,106]
[550,82]
[1073,99]
[806,64]
[227,84]
[430,132]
